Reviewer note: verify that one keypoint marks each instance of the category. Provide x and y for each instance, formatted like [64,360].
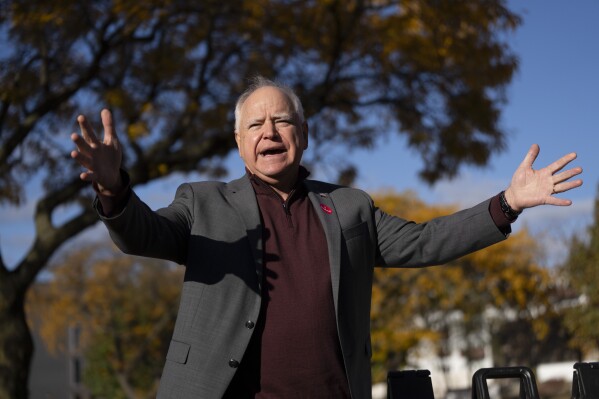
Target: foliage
[125,308]
[517,343]
[433,70]
[170,70]
[581,271]
[413,306]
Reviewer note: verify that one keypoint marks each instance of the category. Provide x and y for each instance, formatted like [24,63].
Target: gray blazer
[214,229]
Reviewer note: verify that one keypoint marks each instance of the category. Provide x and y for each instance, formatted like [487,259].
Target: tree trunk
[16,345]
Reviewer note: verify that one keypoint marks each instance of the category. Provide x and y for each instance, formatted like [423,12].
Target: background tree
[581,271]
[515,342]
[412,306]
[170,70]
[125,309]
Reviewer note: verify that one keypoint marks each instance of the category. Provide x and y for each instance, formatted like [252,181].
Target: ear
[238,141]
[305,131]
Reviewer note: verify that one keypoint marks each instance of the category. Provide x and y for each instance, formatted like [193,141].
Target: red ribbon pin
[326,209]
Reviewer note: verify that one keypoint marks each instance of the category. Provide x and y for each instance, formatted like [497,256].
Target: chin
[274,172]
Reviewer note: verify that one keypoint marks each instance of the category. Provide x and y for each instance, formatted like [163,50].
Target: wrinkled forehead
[267,100]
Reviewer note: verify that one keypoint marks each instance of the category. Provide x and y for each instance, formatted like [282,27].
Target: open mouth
[273,151]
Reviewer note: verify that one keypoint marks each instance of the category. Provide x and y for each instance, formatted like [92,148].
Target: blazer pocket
[178,352]
[355,231]
[357,249]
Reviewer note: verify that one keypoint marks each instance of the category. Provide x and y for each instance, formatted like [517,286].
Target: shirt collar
[302,175]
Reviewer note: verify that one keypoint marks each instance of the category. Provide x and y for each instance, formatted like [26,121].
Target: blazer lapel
[241,196]
[330,222]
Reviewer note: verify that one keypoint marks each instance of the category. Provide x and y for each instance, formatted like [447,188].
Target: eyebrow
[255,120]
[275,116]
[283,116]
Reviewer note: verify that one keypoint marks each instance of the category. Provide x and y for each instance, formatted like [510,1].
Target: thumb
[108,124]
[531,156]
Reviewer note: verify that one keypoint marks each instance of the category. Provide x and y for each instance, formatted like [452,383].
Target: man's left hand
[531,187]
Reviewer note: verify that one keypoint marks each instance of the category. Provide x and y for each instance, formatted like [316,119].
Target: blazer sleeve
[403,243]
[164,234]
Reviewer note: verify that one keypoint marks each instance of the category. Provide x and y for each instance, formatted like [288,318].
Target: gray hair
[259,82]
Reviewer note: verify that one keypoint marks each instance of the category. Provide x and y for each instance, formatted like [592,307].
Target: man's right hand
[102,159]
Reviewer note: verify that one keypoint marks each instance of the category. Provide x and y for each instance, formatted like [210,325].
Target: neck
[282,187]
[283,193]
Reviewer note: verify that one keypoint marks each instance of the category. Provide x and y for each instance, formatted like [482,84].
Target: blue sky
[553,101]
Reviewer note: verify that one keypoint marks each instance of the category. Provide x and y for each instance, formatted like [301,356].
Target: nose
[270,130]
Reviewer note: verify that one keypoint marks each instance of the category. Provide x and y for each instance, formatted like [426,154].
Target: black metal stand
[528,384]
[585,383]
[417,384]
[409,384]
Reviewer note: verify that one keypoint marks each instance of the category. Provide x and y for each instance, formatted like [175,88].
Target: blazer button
[249,324]
[233,363]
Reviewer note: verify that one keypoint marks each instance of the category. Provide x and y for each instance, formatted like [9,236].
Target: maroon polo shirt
[295,350]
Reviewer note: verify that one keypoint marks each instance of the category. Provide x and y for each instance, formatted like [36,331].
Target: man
[276,297]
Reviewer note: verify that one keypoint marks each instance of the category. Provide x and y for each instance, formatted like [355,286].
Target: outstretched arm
[531,187]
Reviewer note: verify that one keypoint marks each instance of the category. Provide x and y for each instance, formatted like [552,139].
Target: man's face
[271,138]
